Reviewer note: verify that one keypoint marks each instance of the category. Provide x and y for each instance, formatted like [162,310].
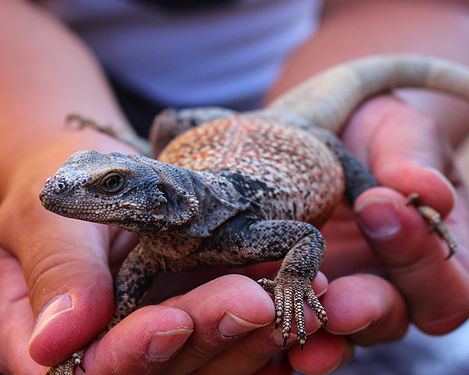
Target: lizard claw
[270,287]
[412,198]
[288,299]
[78,362]
[437,225]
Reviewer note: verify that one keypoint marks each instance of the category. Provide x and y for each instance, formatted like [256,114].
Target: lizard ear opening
[194,204]
[174,203]
[180,204]
[212,211]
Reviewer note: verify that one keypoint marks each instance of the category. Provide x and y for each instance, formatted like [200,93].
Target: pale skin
[59,256]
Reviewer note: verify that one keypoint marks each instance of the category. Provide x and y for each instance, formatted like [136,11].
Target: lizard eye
[112,182]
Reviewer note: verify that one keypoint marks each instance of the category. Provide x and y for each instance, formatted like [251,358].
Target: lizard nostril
[60,187]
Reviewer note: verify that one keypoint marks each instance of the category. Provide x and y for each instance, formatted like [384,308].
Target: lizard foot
[288,298]
[434,219]
[68,367]
[83,122]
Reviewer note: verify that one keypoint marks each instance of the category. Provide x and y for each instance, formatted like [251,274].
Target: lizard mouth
[73,208]
[68,210]
[84,209]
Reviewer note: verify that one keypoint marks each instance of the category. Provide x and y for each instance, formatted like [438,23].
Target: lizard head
[132,192]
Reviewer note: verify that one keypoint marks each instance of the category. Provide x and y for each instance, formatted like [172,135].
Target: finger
[278,365]
[347,250]
[322,354]
[64,261]
[404,150]
[143,343]
[257,348]
[17,320]
[366,308]
[436,290]
[223,311]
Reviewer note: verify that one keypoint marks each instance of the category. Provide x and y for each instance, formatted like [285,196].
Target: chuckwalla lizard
[241,188]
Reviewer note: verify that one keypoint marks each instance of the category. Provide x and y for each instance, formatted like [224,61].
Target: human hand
[323,351]
[406,152]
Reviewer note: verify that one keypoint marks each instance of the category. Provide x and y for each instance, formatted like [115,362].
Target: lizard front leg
[130,286]
[125,135]
[243,241]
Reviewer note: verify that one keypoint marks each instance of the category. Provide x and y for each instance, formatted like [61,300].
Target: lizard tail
[329,98]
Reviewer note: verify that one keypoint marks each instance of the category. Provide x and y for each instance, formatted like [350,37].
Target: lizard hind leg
[68,367]
[433,218]
[171,122]
[358,178]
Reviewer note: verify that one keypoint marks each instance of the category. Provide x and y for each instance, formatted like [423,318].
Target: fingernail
[51,311]
[362,328]
[351,332]
[378,218]
[320,280]
[232,325]
[164,345]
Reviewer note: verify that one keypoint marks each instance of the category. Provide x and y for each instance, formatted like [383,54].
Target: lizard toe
[288,299]
[68,367]
[438,226]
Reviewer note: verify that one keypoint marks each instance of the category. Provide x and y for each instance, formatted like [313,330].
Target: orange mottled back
[301,178]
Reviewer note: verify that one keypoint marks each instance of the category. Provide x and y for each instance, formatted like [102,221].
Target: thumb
[65,268]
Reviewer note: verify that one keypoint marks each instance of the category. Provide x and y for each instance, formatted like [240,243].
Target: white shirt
[226,56]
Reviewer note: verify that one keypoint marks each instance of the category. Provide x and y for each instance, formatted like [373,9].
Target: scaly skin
[240,188]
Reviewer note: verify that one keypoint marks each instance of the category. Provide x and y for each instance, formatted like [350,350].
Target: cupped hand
[387,270]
